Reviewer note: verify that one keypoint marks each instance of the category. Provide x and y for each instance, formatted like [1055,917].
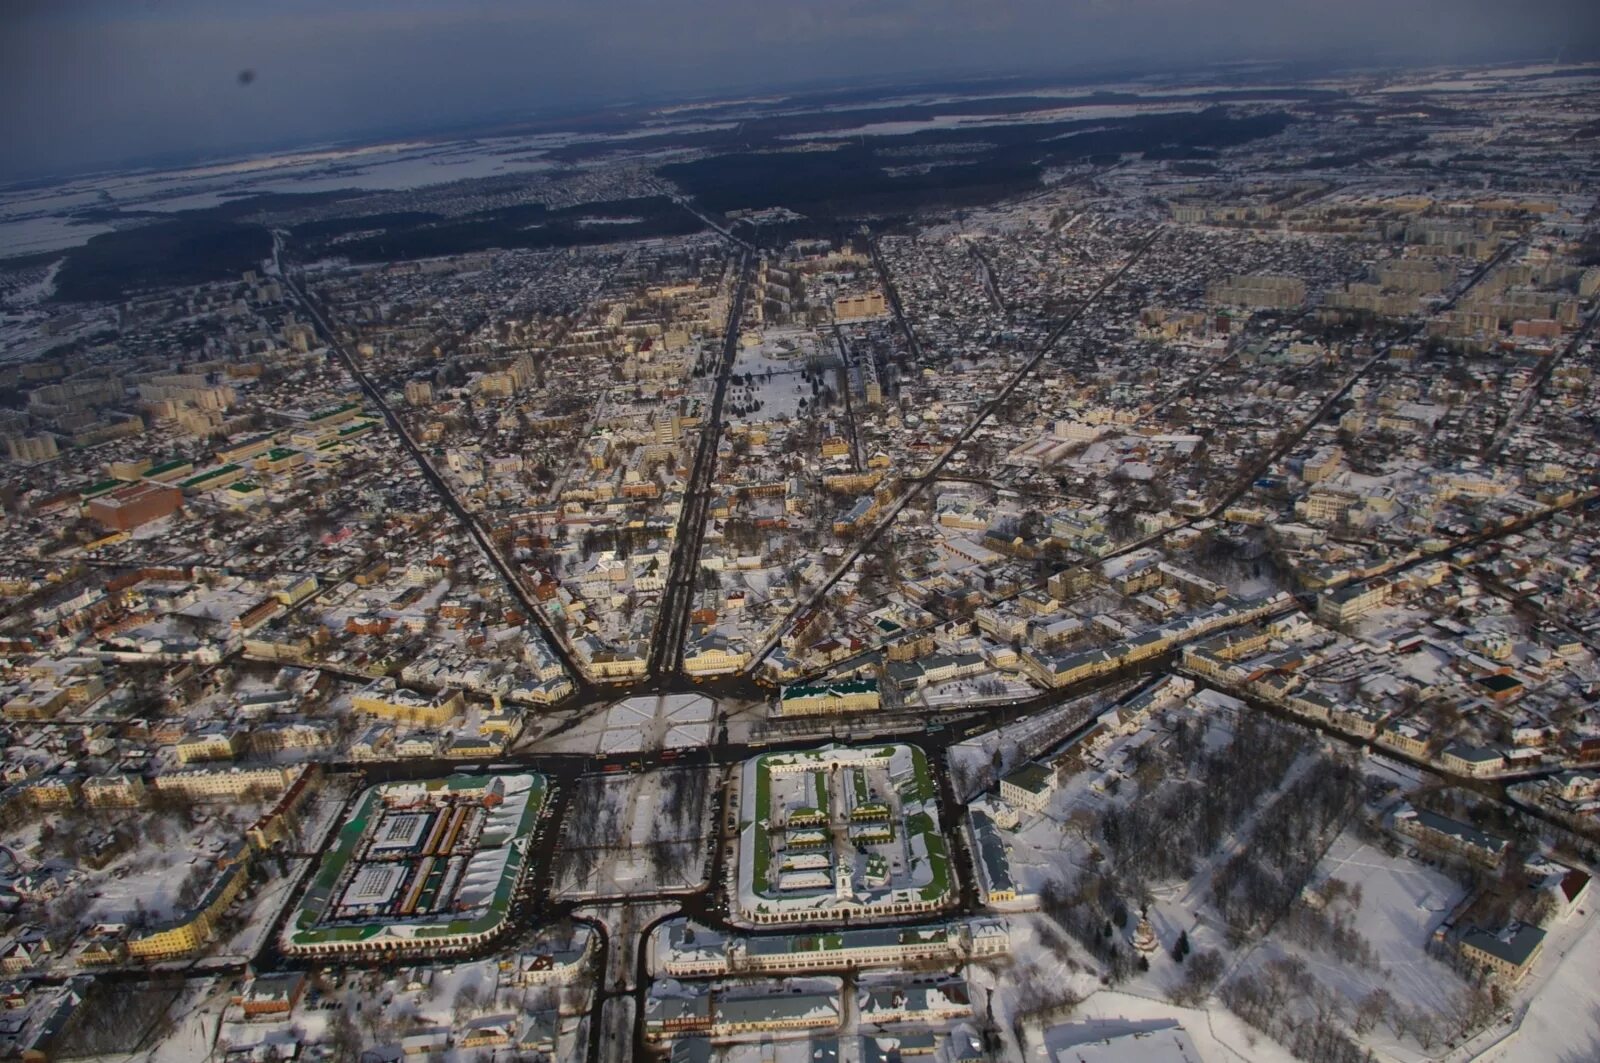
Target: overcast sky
[91,82]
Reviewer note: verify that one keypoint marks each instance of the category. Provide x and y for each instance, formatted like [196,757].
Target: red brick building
[129,507]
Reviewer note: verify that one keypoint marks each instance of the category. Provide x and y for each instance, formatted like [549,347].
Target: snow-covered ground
[636,833]
[48,219]
[644,724]
[1028,737]
[1561,1022]
[1402,901]
[774,367]
[1218,1035]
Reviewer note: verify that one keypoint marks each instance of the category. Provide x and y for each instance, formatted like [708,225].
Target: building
[559,966]
[214,479]
[385,699]
[1507,954]
[135,505]
[1029,787]
[725,1010]
[31,448]
[686,950]
[210,744]
[190,931]
[712,654]
[487,1031]
[1260,291]
[271,995]
[101,945]
[420,867]
[996,885]
[1443,833]
[218,784]
[1476,761]
[1353,602]
[113,791]
[855,307]
[858,695]
[1408,738]
[50,792]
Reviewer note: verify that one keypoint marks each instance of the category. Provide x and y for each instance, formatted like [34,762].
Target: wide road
[893,295]
[677,600]
[929,475]
[1537,387]
[463,516]
[1235,491]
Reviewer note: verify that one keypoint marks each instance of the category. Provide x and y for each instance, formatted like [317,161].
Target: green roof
[1034,778]
[919,786]
[334,411]
[210,474]
[104,486]
[852,686]
[938,855]
[168,466]
[1515,945]
[319,894]
[279,453]
[251,442]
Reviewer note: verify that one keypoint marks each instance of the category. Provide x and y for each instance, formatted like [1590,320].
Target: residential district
[1153,616]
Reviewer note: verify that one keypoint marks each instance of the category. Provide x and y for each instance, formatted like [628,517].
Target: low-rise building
[858,695]
[220,784]
[188,932]
[113,791]
[1443,833]
[1029,787]
[387,700]
[1507,954]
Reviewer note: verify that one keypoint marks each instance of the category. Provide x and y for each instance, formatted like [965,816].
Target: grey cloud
[89,83]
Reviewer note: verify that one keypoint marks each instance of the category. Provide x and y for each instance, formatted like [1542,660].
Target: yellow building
[388,701]
[113,791]
[40,703]
[280,459]
[294,589]
[503,385]
[613,666]
[189,932]
[213,784]
[854,307]
[1350,603]
[244,451]
[210,745]
[51,793]
[859,695]
[1508,955]
[714,657]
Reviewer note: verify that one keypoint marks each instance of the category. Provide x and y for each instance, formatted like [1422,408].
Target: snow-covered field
[1403,901]
[774,367]
[35,220]
[1562,1000]
[1217,1035]
[643,724]
[636,833]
